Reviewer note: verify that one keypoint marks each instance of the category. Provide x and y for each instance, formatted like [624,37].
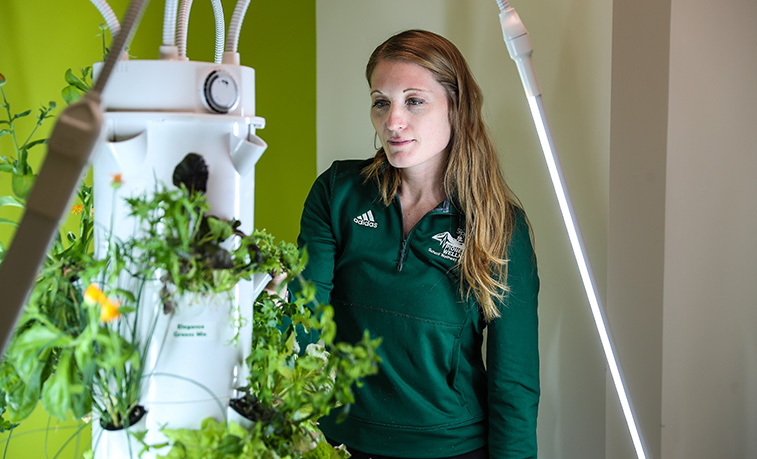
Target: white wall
[572,54]
[710,319]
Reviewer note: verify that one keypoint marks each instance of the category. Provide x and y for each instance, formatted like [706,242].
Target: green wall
[43,38]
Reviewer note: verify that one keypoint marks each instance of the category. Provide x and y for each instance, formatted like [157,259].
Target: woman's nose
[396,119]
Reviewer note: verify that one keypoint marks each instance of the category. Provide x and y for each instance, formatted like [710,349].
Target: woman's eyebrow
[406,90]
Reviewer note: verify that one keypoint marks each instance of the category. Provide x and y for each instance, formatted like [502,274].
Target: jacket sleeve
[317,237]
[512,355]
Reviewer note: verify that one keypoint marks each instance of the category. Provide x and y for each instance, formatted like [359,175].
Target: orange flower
[108,308]
[117,180]
[109,311]
[77,209]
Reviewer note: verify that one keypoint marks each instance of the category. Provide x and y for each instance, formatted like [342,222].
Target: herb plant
[288,389]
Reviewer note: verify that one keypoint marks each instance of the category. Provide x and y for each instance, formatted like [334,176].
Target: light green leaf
[56,394]
[23,184]
[5,221]
[70,94]
[22,398]
[11,201]
[126,310]
[39,337]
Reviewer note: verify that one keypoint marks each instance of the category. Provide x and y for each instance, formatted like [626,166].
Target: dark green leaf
[35,143]
[231,445]
[75,81]
[192,172]
[21,115]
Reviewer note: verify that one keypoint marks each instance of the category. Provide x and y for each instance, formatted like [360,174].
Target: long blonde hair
[473,180]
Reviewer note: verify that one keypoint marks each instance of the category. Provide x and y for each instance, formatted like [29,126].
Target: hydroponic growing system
[155,113]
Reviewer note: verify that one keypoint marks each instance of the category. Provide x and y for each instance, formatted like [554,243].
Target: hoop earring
[375,136]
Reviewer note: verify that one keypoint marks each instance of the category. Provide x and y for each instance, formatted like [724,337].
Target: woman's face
[409,111]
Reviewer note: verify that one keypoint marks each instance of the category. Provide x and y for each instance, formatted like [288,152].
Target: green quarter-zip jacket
[433,396]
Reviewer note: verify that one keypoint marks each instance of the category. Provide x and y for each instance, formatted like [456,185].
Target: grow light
[520,49]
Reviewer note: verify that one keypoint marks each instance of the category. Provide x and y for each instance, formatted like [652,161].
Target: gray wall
[636,240]
[709,384]
[682,258]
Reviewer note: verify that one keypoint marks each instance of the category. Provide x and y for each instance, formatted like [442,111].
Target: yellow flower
[117,180]
[108,308]
[77,209]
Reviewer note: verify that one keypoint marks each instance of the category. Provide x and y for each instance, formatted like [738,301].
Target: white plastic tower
[157,112]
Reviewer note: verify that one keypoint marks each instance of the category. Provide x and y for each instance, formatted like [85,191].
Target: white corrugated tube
[503,5]
[235,27]
[110,17]
[220,30]
[183,25]
[169,22]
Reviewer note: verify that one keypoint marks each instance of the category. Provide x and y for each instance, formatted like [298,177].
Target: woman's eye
[415,101]
[378,103]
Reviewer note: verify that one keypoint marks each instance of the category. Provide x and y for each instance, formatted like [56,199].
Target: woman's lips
[399,142]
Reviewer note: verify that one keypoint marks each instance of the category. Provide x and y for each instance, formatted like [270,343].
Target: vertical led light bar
[520,49]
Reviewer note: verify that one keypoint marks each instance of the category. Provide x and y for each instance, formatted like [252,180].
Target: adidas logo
[366,220]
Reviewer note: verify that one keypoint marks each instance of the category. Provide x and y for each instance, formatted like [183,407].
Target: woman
[425,246]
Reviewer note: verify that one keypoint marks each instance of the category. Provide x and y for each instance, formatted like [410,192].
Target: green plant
[288,388]
[18,165]
[192,251]
[77,85]
[65,345]
[216,440]
[76,348]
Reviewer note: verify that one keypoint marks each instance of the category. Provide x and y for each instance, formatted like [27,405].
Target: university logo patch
[449,247]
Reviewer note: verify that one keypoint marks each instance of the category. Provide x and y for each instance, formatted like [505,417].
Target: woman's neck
[418,194]
[422,184]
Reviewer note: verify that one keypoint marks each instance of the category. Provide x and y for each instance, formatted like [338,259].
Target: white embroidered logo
[451,248]
[366,220]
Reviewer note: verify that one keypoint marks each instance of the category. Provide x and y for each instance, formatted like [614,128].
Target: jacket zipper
[403,246]
[403,249]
